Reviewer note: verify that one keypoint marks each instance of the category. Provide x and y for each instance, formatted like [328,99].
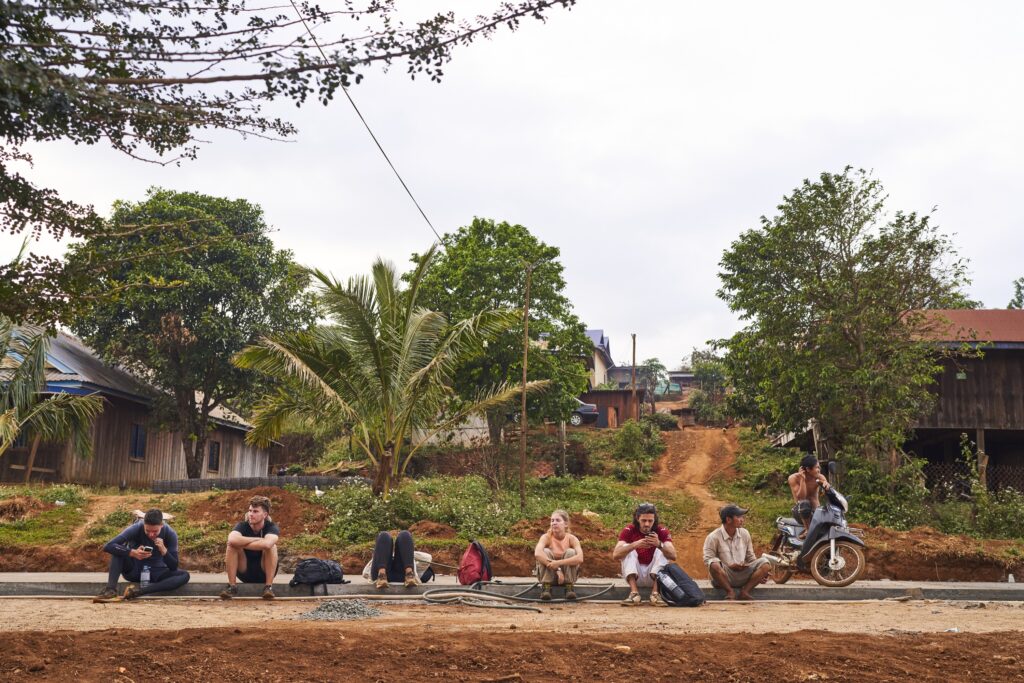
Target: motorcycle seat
[789,521]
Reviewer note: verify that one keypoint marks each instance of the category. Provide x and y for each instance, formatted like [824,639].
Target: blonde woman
[559,556]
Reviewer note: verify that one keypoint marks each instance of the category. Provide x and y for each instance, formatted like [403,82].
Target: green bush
[636,445]
[663,421]
[706,410]
[111,525]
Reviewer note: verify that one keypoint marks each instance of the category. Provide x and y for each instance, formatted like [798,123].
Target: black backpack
[317,572]
[678,589]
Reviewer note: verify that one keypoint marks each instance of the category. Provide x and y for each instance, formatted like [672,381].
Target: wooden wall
[164,459]
[989,396]
[615,405]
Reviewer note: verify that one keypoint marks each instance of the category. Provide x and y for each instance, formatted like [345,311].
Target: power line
[367,126]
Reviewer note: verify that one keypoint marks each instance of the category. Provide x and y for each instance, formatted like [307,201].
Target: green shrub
[111,525]
[707,410]
[663,421]
[636,445]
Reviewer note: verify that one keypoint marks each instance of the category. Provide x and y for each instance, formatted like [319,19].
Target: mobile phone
[147,548]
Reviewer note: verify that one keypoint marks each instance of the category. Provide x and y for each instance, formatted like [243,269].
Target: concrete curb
[210,585]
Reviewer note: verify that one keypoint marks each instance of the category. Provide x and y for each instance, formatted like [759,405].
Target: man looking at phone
[150,543]
[804,485]
[644,548]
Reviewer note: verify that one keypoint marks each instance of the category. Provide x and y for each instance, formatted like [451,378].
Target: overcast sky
[641,138]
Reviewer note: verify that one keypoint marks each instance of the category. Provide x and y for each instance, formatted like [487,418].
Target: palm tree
[25,410]
[383,368]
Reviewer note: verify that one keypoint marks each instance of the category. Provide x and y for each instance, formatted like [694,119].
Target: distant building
[601,361]
[128,447]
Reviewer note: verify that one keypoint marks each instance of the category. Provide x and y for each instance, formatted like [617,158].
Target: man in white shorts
[644,548]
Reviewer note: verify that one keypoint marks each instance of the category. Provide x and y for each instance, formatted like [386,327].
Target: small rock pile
[341,610]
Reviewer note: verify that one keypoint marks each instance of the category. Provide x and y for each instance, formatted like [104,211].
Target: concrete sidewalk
[202,585]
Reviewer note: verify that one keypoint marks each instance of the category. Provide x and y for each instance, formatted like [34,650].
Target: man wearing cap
[729,556]
[644,548]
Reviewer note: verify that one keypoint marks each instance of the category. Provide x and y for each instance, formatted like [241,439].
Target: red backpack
[475,565]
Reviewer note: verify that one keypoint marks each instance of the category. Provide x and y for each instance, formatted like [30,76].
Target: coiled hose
[475,595]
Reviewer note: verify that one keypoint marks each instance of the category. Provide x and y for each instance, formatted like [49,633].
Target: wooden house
[128,447]
[982,397]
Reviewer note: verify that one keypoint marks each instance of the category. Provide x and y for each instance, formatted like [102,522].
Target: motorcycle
[831,551]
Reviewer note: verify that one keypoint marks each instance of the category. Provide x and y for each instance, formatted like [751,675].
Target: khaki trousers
[545,575]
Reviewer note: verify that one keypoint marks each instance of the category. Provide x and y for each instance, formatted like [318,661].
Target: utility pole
[632,381]
[522,410]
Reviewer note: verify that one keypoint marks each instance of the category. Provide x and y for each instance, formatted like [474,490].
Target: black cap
[731,510]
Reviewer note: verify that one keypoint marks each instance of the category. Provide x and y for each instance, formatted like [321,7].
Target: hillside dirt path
[693,456]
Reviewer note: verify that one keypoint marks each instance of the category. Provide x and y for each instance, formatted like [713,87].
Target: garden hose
[469,595]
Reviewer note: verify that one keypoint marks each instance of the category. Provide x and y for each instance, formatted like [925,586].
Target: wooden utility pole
[632,381]
[522,411]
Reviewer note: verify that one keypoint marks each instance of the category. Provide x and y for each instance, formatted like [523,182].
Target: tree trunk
[495,421]
[194,452]
[383,480]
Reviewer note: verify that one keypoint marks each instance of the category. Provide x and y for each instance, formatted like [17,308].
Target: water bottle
[670,587]
[145,576]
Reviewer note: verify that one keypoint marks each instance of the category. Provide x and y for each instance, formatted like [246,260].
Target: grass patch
[474,510]
[49,527]
[111,525]
[70,494]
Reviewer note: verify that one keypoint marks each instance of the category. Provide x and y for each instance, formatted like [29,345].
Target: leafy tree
[483,266]
[145,77]
[832,290]
[25,410]
[383,365]
[1018,294]
[650,375]
[175,314]
[635,446]
[708,400]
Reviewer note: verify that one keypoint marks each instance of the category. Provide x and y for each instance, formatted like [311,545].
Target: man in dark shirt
[644,548]
[252,550]
[147,543]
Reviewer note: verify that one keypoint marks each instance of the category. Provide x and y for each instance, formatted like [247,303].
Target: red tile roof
[966,324]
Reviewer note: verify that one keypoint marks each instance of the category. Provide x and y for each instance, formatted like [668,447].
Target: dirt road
[890,642]
[694,455]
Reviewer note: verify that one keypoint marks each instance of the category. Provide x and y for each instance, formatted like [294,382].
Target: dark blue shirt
[135,536]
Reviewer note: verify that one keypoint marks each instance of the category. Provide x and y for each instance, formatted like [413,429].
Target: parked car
[585,413]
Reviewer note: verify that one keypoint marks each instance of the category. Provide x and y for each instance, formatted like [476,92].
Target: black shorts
[802,511]
[253,568]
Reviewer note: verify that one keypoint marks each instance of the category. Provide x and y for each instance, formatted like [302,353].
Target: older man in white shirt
[729,556]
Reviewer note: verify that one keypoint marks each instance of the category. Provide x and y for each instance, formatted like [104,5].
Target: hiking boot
[546,593]
[381,583]
[570,592]
[230,592]
[132,592]
[107,595]
[657,600]
[268,593]
[410,580]
[632,601]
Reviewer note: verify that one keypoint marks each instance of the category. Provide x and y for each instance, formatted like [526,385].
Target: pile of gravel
[341,610]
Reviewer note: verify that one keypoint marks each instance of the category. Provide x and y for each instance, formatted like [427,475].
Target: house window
[137,444]
[213,462]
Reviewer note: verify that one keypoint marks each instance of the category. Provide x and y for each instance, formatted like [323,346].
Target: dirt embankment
[353,652]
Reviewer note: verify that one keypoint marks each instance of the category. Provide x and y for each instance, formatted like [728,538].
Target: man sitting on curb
[729,556]
[150,543]
[644,548]
[252,550]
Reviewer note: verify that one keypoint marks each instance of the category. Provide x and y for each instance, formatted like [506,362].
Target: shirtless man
[804,485]
[559,556]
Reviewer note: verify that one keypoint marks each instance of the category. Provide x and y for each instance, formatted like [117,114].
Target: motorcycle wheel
[780,575]
[853,565]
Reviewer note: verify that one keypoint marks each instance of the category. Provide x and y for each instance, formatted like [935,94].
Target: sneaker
[381,583]
[632,600]
[268,593]
[230,592]
[132,592]
[546,593]
[107,595]
[657,600]
[410,581]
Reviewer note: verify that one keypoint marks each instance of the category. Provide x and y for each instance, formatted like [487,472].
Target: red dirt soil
[354,652]
[924,554]
[288,510]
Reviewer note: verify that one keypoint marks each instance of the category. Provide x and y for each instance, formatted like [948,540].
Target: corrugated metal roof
[981,325]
